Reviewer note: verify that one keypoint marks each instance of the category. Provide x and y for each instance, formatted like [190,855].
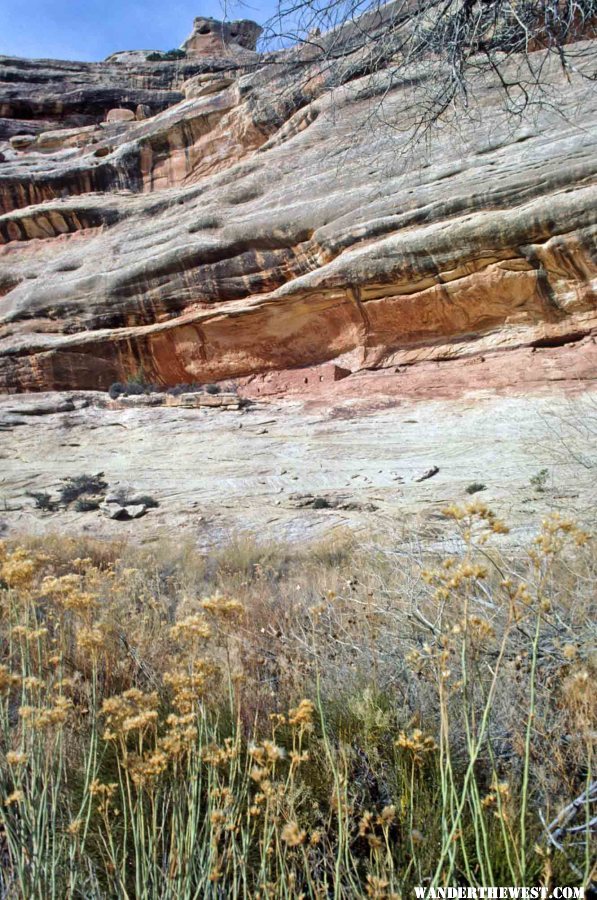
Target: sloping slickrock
[360,451]
[268,225]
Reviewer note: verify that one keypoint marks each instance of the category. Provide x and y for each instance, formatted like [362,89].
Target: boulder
[113,511]
[22,141]
[202,85]
[120,115]
[135,511]
[123,513]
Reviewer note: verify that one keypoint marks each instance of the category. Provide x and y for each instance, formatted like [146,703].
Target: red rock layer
[250,220]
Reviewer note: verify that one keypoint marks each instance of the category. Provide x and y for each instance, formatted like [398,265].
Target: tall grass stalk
[175,754]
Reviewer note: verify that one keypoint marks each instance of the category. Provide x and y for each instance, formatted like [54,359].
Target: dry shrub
[264,721]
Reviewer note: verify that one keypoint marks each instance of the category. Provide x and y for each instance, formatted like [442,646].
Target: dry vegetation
[340,722]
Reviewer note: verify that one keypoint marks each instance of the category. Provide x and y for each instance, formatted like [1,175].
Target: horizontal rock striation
[252,216]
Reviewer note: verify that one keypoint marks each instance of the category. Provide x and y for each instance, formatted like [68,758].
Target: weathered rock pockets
[243,217]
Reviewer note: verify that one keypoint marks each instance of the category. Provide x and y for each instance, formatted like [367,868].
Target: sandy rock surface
[364,459]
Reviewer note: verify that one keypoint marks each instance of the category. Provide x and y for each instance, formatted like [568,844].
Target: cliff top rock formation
[211,37]
[243,214]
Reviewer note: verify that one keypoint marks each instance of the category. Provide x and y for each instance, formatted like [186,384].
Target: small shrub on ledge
[82,486]
[475,487]
[168,56]
[136,386]
[43,501]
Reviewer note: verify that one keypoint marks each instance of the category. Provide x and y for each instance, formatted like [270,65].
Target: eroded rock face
[255,222]
[213,38]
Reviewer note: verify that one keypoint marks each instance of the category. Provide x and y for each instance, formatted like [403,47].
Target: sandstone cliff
[242,213]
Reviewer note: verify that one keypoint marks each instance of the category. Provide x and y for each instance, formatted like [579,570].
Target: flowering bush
[427,722]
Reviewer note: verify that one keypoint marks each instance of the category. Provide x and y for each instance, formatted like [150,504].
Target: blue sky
[92,29]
